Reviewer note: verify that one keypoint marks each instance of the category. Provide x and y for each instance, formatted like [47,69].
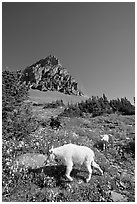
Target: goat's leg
[94,164]
[68,170]
[104,146]
[90,172]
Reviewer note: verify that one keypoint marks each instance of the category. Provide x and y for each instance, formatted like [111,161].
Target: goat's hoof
[69,179]
[87,180]
[102,173]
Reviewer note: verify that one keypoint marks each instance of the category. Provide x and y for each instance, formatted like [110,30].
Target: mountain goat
[71,154]
[106,139]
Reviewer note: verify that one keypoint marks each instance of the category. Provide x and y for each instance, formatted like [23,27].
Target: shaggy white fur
[71,154]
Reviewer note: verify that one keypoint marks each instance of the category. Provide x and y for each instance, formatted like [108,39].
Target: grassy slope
[49,96]
[119,175]
[51,186]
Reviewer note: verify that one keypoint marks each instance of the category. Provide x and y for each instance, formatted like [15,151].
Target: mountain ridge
[48,74]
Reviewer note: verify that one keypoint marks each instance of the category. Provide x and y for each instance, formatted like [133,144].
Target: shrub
[17,116]
[13,93]
[72,111]
[17,122]
[99,106]
[122,106]
[20,123]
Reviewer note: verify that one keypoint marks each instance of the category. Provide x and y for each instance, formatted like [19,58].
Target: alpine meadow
[68,101]
[42,107]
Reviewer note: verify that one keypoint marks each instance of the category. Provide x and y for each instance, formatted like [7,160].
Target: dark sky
[94,41]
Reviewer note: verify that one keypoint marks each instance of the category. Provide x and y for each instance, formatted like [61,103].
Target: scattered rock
[125,176]
[113,170]
[75,135]
[117,197]
[29,160]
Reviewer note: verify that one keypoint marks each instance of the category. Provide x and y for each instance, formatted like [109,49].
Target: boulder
[117,197]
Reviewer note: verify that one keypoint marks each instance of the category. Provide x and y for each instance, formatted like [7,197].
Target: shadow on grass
[57,173]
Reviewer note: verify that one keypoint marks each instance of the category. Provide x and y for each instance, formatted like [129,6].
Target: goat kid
[71,154]
[106,139]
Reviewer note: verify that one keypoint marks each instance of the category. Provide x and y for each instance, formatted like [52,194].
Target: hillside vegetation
[27,132]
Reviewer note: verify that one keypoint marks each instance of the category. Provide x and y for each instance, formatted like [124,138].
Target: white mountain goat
[71,154]
[106,139]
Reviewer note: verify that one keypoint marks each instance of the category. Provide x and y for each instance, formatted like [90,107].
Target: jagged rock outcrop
[48,74]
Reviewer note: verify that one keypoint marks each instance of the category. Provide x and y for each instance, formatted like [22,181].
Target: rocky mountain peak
[49,61]
[49,74]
